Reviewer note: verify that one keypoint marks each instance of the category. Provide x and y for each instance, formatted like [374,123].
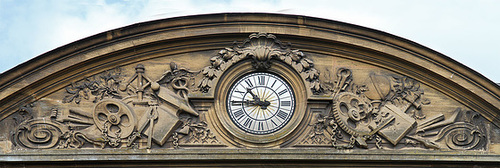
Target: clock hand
[255,97]
[247,102]
[257,101]
[263,104]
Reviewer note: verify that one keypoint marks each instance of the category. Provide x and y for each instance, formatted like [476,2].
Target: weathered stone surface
[152,91]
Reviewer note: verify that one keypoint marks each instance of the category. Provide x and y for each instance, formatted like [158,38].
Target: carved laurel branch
[102,85]
[261,48]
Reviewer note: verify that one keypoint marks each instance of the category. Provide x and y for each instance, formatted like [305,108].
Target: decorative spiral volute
[38,134]
[462,136]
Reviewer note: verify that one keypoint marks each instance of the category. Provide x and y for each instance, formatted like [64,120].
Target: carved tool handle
[152,116]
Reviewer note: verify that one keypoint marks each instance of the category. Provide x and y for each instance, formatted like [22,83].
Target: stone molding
[161,85]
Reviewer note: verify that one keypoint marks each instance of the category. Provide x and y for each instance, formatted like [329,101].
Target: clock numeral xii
[262,80]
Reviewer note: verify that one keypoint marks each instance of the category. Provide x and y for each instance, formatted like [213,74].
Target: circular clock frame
[260,103]
[234,134]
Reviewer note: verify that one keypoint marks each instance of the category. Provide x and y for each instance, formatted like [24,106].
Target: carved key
[344,78]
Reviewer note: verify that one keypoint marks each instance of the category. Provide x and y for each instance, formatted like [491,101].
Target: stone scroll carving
[387,109]
[260,48]
[50,132]
[38,134]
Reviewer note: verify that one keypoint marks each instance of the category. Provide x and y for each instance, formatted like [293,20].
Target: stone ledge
[248,154]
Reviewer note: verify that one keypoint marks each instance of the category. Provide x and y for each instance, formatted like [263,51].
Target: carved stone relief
[261,48]
[100,86]
[387,109]
[126,112]
[133,110]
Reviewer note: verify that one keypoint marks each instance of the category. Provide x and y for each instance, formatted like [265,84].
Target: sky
[465,30]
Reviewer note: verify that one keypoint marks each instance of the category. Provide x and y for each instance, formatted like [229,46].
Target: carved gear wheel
[115,118]
[352,113]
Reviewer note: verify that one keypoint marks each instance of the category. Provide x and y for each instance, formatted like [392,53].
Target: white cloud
[36,27]
[464,30]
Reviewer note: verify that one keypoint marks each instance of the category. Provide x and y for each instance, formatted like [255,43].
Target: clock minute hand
[256,98]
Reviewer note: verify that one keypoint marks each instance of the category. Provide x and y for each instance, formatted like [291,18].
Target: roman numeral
[285,103]
[273,83]
[236,103]
[242,93]
[274,123]
[248,122]
[238,114]
[261,126]
[249,83]
[282,92]
[262,80]
[281,114]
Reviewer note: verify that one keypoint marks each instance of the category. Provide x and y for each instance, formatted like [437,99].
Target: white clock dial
[261,103]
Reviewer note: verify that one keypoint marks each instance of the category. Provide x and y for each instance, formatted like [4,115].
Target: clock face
[261,103]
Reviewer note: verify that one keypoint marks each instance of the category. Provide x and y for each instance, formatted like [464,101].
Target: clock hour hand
[247,102]
[263,104]
[257,101]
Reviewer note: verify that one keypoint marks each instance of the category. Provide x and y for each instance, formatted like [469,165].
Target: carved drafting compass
[141,86]
[148,118]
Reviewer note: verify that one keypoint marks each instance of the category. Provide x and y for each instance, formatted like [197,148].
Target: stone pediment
[243,87]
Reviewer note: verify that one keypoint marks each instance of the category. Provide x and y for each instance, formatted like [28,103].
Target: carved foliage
[193,132]
[260,48]
[101,85]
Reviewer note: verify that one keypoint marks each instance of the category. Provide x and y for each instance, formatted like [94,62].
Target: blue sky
[465,30]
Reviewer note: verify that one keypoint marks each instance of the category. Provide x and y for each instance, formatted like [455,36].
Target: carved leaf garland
[260,48]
